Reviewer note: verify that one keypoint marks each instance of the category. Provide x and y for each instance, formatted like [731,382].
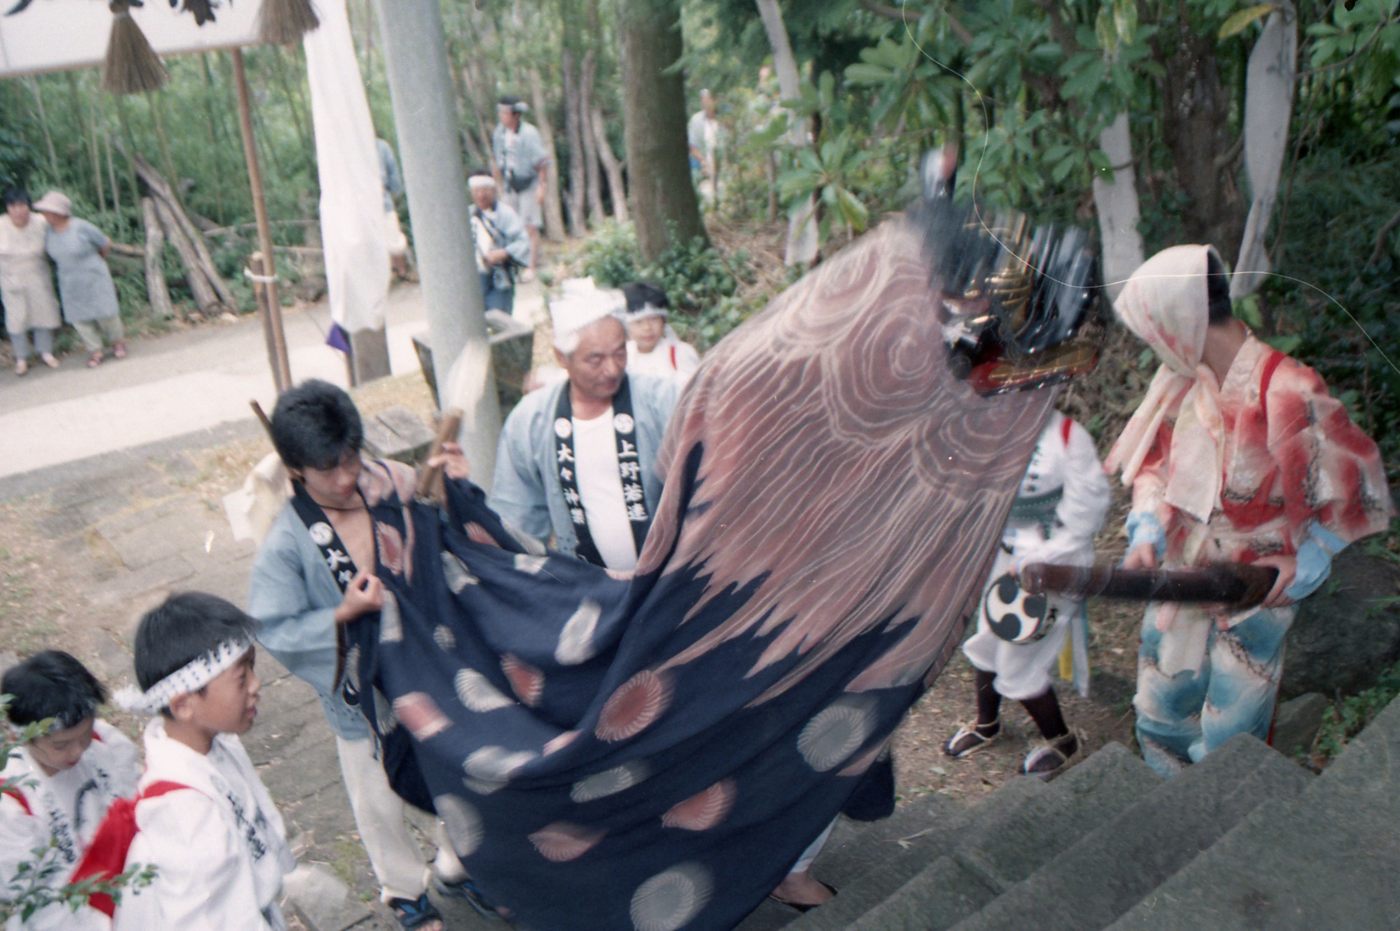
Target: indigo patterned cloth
[655,752]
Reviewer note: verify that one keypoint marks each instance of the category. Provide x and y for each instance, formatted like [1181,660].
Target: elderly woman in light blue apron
[79,251]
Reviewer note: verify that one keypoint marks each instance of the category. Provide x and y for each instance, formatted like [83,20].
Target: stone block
[1111,869]
[898,863]
[939,897]
[1347,633]
[320,899]
[1102,786]
[1297,723]
[397,433]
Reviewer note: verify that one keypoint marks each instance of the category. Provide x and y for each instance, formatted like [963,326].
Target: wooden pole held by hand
[430,478]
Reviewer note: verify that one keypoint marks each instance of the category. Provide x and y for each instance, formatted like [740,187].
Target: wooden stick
[430,478]
[262,418]
[1234,584]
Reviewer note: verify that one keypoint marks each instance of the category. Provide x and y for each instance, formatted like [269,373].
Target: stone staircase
[1246,839]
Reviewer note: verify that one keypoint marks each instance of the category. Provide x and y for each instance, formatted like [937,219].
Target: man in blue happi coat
[577,458]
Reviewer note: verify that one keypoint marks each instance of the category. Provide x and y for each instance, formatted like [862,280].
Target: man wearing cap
[652,346]
[501,242]
[577,458]
[521,167]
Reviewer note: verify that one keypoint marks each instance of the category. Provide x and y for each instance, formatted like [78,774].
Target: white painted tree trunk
[1116,202]
[802,238]
[1268,108]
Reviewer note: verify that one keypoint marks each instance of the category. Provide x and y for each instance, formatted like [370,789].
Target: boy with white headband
[204,819]
[1237,454]
[652,346]
[58,785]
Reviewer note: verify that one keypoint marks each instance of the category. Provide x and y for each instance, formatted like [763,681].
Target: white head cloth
[480,181]
[191,677]
[647,310]
[1166,304]
[580,303]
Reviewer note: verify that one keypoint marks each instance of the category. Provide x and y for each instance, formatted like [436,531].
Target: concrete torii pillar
[425,113]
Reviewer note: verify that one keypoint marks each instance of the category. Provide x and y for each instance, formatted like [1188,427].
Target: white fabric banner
[352,202]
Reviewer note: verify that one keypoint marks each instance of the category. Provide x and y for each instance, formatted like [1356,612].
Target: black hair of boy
[17,195]
[184,627]
[1217,292]
[641,293]
[51,684]
[314,425]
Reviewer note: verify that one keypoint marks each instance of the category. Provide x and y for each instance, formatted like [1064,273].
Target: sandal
[805,906]
[49,360]
[119,349]
[22,367]
[94,359]
[969,738]
[468,890]
[1049,756]
[414,913]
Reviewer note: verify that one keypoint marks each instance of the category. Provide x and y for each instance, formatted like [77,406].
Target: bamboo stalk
[281,367]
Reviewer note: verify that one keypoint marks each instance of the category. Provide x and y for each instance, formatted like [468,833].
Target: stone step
[1113,867]
[905,856]
[1327,858]
[1002,846]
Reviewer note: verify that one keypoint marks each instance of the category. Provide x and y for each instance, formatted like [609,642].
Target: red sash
[105,858]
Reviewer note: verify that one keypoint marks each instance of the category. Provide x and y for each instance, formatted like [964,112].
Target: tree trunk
[574,133]
[802,237]
[553,208]
[1116,203]
[44,126]
[204,297]
[166,198]
[658,162]
[155,273]
[1196,120]
[1268,107]
[617,189]
[596,214]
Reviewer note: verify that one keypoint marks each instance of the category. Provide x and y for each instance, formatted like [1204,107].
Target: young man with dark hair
[316,569]
[58,786]
[204,820]
[1238,454]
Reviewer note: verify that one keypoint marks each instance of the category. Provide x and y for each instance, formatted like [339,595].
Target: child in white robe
[59,785]
[218,845]
[652,346]
[1059,507]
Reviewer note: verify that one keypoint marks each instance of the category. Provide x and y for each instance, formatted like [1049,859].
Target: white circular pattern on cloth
[321,533]
[456,574]
[670,900]
[461,822]
[477,693]
[576,639]
[445,639]
[561,841]
[609,781]
[623,423]
[495,763]
[563,427]
[836,732]
[390,624]
[524,562]
[703,810]
[634,707]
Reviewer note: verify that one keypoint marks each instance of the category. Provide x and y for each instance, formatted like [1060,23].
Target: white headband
[647,310]
[480,181]
[191,677]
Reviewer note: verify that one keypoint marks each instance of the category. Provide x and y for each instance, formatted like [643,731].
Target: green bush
[610,256]
[1348,717]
